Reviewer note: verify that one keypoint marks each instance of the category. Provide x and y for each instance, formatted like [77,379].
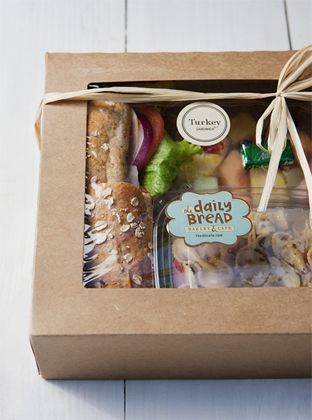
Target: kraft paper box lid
[62,307]
[68,71]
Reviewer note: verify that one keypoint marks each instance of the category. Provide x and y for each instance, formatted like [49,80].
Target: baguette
[118,215]
[108,128]
[118,239]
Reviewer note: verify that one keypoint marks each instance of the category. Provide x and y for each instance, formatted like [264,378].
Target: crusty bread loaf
[118,215]
[119,237]
[109,126]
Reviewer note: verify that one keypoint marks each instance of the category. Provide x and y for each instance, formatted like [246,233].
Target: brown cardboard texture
[146,333]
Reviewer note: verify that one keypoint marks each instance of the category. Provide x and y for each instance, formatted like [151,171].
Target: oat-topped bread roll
[108,134]
[118,215]
[118,237]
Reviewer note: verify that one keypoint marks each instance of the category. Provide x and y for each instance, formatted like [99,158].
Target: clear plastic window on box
[137,164]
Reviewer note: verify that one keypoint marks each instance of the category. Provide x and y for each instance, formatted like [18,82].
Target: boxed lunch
[174,223]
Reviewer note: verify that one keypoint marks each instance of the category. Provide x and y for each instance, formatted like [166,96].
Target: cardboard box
[146,333]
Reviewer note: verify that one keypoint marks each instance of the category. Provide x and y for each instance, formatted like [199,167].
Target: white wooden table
[28,28]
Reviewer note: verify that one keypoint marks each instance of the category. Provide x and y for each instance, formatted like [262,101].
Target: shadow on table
[92,399]
[280,399]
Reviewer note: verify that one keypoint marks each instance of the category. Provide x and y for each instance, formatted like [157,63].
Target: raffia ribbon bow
[281,126]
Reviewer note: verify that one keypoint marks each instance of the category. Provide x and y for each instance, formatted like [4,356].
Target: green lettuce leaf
[162,169]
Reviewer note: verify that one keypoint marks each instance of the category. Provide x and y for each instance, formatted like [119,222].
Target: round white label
[203,123]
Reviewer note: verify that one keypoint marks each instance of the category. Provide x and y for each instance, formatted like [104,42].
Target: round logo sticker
[203,123]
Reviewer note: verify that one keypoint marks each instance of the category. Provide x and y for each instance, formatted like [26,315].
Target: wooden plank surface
[299,13]
[206,25]
[28,28]
[219,400]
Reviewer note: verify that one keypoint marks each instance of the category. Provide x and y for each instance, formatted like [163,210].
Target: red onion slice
[137,136]
[142,155]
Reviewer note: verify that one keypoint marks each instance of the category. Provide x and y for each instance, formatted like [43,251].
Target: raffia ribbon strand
[281,122]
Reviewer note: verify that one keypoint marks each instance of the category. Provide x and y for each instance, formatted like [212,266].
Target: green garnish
[162,169]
